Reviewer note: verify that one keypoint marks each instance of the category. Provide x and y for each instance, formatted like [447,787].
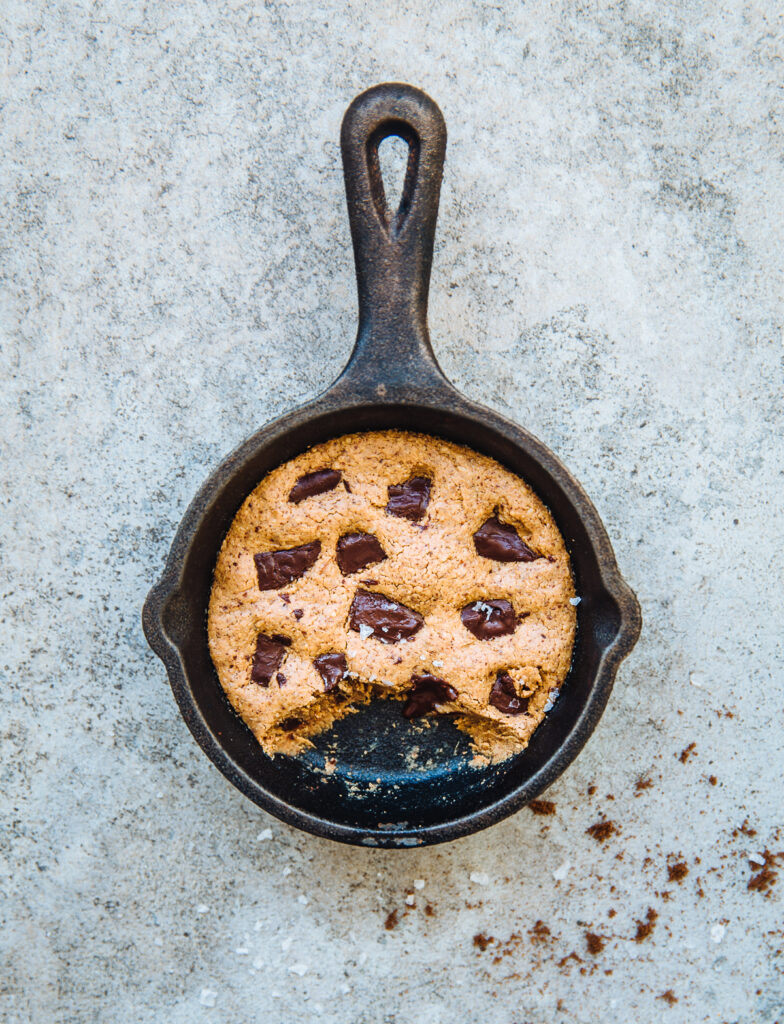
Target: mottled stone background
[176,271]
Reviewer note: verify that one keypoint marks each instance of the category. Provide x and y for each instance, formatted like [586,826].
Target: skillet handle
[393,250]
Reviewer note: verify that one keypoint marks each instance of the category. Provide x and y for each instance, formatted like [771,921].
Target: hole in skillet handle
[389,157]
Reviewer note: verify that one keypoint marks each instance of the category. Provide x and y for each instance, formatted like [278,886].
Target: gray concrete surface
[176,271]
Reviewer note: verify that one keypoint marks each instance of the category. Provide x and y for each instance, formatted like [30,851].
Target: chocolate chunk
[282,680]
[298,613]
[314,483]
[346,487]
[266,659]
[409,500]
[285,598]
[370,583]
[383,618]
[426,692]
[503,696]
[489,619]
[332,668]
[501,542]
[288,724]
[357,551]
[276,568]
[280,639]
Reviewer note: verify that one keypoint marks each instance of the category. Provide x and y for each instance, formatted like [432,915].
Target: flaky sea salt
[302,898]
[717,932]
[410,900]
[575,601]
[202,908]
[300,969]
[552,698]
[560,873]
[479,877]
[265,833]
[757,858]
[437,664]
[208,997]
[365,631]
[242,951]
[419,883]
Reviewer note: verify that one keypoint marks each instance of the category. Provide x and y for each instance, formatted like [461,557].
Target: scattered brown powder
[686,753]
[745,829]
[767,876]
[643,783]
[539,932]
[591,789]
[429,911]
[571,956]
[595,943]
[677,872]
[391,921]
[669,997]
[542,807]
[645,928]
[712,779]
[482,941]
[602,830]
[612,912]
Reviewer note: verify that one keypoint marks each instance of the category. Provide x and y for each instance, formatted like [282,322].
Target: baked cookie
[396,565]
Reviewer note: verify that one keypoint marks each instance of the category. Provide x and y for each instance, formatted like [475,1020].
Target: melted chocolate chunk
[409,500]
[489,619]
[501,542]
[426,692]
[357,551]
[289,724]
[282,680]
[298,613]
[504,696]
[280,639]
[314,483]
[386,620]
[267,658]
[332,668]
[276,568]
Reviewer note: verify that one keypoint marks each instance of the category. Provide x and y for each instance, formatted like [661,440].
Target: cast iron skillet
[376,795]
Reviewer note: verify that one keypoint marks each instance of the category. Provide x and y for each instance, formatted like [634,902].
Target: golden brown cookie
[396,565]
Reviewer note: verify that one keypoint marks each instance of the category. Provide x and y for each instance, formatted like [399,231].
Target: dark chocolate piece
[346,487]
[409,500]
[489,619]
[280,639]
[314,483]
[426,692]
[282,680]
[276,568]
[332,668]
[503,696]
[357,551]
[298,613]
[266,659]
[501,542]
[388,621]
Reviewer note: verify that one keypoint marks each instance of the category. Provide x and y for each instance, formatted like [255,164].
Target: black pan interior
[389,774]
